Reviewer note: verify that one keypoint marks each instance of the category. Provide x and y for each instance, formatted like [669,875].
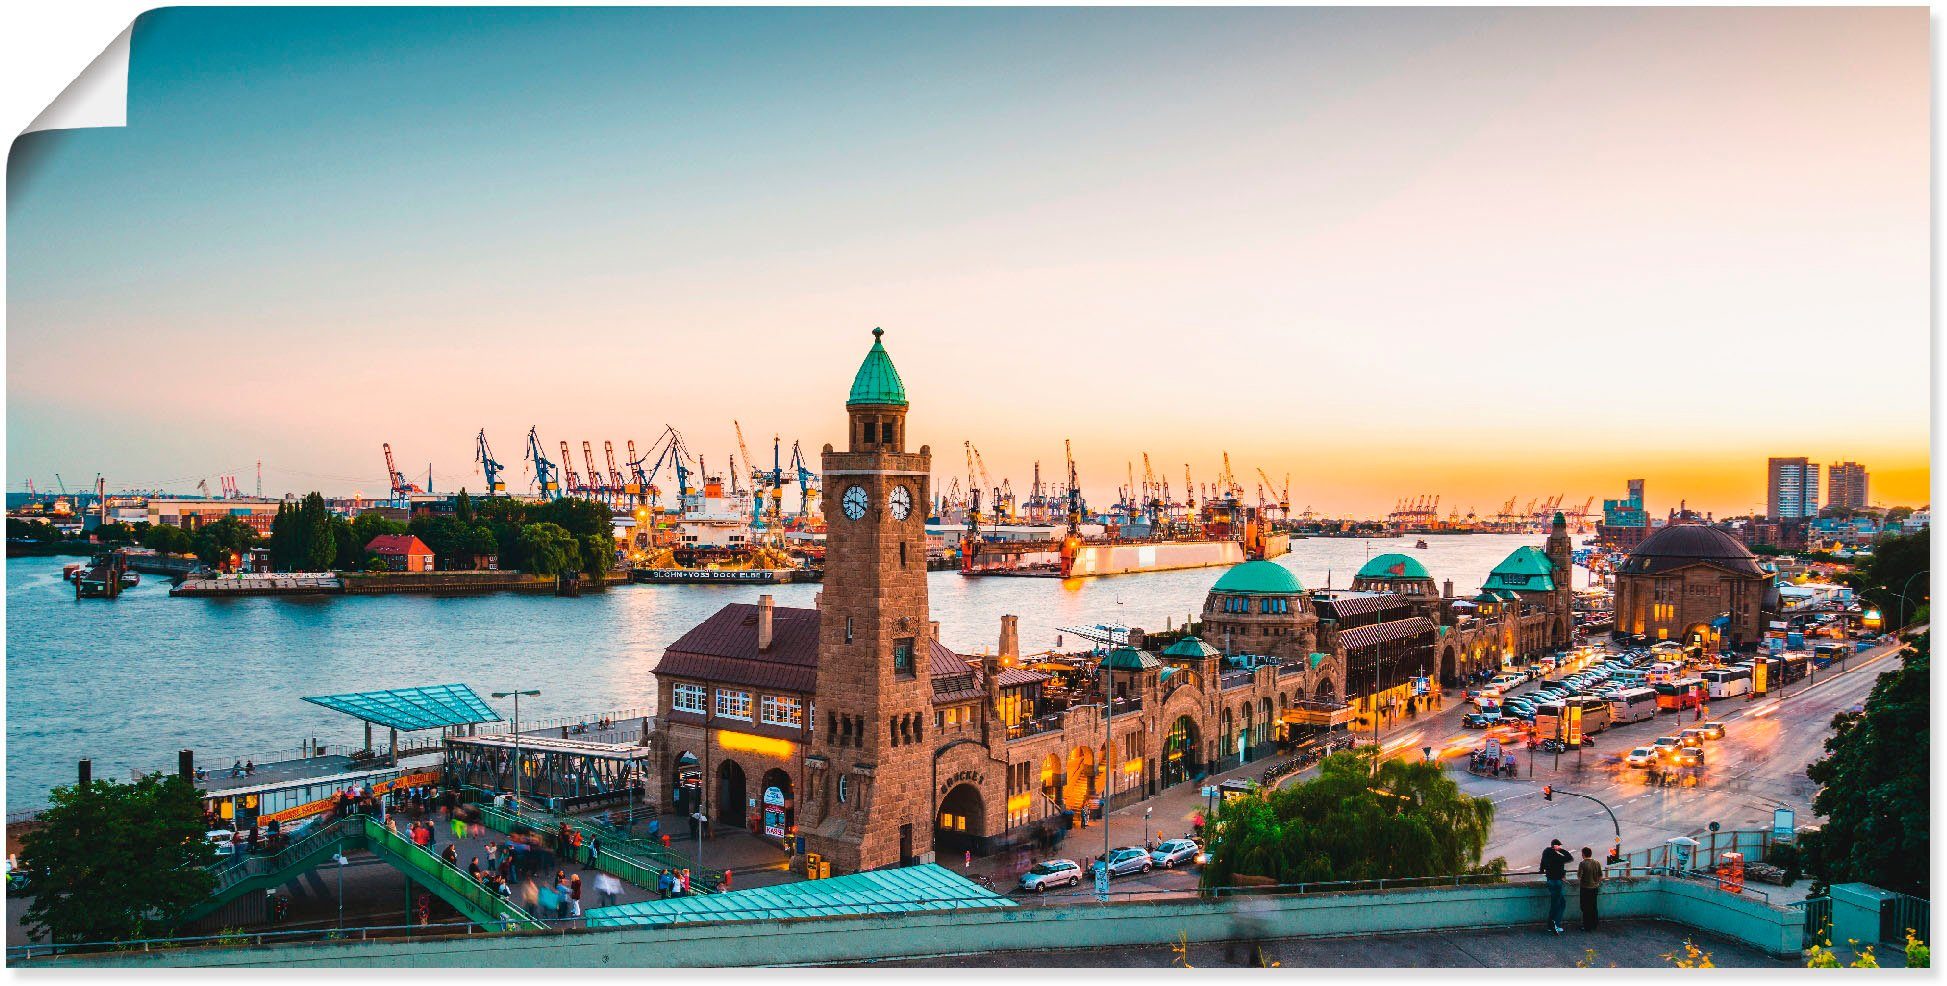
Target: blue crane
[547,475]
[807,481]
[489,467]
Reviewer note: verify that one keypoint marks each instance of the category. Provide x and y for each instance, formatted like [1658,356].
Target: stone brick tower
[870,802]
[1560,551]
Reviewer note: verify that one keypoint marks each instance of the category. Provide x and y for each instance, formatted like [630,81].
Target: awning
[408,709]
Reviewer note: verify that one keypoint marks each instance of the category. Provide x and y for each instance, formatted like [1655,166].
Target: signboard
[1759,675]
[774,796]
[1574,725]
[1419,686]
[1784,823]
[1494,749]
[773,813]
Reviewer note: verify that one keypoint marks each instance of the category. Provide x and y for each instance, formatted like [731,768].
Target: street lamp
[340,859]
[517,740]
[701,821]
[1146,812]
[1903,588]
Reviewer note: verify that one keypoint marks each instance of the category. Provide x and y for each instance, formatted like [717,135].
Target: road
[1758,766]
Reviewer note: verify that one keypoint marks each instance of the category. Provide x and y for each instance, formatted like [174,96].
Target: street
[1758,766]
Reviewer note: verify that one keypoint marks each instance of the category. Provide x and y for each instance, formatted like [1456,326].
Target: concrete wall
[1777,931]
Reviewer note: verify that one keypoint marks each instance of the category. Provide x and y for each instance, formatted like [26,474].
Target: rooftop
[1680,545]
[407,709]
[901,890]
[1264,577]
[1130,659]
[877,382]
[1393,565]
[1527,569]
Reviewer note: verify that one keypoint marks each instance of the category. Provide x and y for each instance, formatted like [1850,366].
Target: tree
[218,540]
[597,553]
[1873,786]
[116,861]
[362,529]
[1891,580]
[285,538]
[463,508]
[166,538]
[32,530]
[549,549]
[1348,824]
[319,549]
[115,532]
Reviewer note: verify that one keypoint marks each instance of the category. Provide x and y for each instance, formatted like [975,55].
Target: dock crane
[973,490]
[568,466]
[1283,493]
[597,486]
[489,467]
[1074,491]
[614,474]
[400,488]
[807,482]
[547,476]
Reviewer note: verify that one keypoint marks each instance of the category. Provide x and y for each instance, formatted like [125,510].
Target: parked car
[1052,873]
[1643,757]
[1174,852]
[1124,861]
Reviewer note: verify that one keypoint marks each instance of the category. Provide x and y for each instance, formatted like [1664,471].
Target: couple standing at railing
[1588,878]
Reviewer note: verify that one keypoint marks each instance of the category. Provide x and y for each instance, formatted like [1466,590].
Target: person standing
[1554,869]
[1588,876]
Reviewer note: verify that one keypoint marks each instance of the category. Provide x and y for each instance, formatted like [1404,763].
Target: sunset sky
[1478,253]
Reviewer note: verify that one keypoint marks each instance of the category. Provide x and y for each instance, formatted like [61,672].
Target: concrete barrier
[811,941]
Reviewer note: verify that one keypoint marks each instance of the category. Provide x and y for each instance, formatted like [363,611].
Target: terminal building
[851,725]
[1696,584]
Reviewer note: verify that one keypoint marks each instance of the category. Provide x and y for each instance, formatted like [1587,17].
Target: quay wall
[812,941]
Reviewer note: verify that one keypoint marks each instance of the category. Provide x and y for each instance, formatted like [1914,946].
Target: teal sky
[1388,252]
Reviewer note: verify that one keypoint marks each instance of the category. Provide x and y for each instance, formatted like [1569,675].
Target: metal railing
[640,861]
[1392,883]
[1034,727]
[1818,918]
[433,868]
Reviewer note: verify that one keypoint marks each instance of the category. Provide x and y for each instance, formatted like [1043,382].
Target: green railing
[432,869]
[241,868]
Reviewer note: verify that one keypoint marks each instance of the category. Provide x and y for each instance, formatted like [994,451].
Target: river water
[130,681]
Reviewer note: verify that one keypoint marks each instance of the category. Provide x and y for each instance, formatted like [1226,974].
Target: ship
[717,537]
[1228,534]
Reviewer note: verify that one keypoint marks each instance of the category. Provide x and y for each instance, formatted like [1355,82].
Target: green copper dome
[1130,659]
[878,380]
[1526,570]
[1269,578]
[1393,566]
[1190,647]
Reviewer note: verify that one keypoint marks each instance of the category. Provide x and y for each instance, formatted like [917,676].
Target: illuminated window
[732,704]
[781,710]
[687,698]
[844,788]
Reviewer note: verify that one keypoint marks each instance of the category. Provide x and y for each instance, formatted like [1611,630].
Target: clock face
[855,502]
[900,502]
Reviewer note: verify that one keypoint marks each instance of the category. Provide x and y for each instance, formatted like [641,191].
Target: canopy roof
[427,707]
[877,382]
[928,887]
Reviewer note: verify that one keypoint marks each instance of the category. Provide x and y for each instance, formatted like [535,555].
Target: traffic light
[1548,792]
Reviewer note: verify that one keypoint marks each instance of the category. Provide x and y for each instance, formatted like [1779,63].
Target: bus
[1595,716]
[1683,693]
[1633,705]
[1661,672]
[1824,653]
[1727,682]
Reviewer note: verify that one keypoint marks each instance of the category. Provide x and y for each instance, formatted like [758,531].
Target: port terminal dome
[1261,577]
[1393,565]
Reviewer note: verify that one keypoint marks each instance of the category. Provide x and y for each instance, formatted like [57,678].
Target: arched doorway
[731,794]
[1697,638]
[1180,748]
[1051,778]
[686,783]
[962,822]
[1226,737]
[1081,778]
[780,817]
[1243,743]
[1325,692]
[1267,729]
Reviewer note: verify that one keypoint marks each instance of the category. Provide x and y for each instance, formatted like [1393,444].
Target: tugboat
[1421,543]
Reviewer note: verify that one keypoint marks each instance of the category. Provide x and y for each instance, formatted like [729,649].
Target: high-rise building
[1791,488]
[1845,484]
[1625,522]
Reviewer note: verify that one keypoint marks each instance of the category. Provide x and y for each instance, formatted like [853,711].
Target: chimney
[934,627]
[1010,640]
[1446,589]
[186,764]
[765,606]
[1137,639]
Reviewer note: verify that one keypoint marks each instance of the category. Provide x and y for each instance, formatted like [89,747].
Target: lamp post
[1146,812]
[517,740]
[340,859]
[1903,588]
[702,820]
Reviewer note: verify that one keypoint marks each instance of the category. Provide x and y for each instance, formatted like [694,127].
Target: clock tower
[869,803]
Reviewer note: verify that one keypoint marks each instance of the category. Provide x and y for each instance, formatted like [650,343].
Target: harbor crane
[615,484]
[489,467]
[1283,493]
[1074,491]
[807,482]
[574,487]
[400,488]
[597,486]
[973,489]
[547,476]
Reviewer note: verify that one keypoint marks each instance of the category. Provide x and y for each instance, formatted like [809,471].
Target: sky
[1476,253]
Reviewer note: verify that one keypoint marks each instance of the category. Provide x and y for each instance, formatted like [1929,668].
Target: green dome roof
[1131,659]
[1393,566]
[878,380]
[1190,647]
[1526,570]
[1267,577]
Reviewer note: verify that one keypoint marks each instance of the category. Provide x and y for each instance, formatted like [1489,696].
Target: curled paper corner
[98,97]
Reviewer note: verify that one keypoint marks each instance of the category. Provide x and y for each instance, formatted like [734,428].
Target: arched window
[844,788]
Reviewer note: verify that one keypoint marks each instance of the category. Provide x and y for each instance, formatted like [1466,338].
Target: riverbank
[240,585]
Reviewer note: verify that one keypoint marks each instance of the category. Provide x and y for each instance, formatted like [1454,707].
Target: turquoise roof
[1191,647]
[1130,659]
[1526,570]
[408,709]
[1393,565]
[878,380]
[1267,577]
[902,890]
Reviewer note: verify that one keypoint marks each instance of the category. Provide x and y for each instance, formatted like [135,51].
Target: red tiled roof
[397,544]
[1382,633]
[724,648]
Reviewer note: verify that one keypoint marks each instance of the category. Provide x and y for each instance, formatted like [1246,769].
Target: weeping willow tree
[1350,823]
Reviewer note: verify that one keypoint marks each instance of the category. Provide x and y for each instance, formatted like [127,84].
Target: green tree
[166,538]
[597,553]
[115,532]
[285,538]
[463,508]
[32,530]
[363,529]
[319,548]
[1347,823]
[549,549]
[1895,569]
[217,540]
[116,861]
[1873,786]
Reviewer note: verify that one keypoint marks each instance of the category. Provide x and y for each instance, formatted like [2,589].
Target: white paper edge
[98,97]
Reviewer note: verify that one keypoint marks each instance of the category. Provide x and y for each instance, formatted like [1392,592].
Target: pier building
[1697,584]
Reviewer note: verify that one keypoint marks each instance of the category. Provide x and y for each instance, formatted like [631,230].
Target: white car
[1124,861]
[1052,873]
[1175,851]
